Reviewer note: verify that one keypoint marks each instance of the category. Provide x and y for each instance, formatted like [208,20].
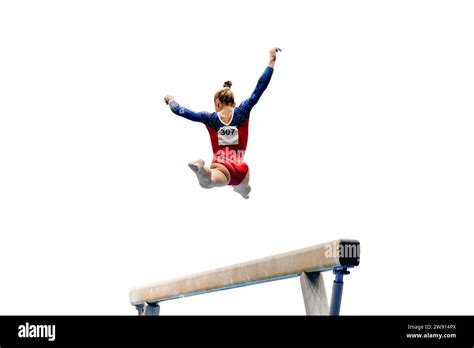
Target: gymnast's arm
[180,110]
[262,83]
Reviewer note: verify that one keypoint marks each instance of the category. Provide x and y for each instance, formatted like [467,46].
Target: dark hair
[225,95]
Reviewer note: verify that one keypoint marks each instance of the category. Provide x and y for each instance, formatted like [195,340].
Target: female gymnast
[228,129]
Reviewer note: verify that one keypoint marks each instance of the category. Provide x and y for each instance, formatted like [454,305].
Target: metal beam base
[337,288]
[148,309]
[152,309]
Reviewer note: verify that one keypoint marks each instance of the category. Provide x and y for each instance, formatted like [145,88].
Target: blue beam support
[337,288]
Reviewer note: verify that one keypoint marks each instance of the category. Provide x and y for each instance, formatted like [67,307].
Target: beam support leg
[152,309]
[314,293]
[337,288]
[140,309]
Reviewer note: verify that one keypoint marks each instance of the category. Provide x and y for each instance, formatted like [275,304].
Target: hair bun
[228,84]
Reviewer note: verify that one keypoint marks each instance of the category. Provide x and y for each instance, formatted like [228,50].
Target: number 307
[227,131]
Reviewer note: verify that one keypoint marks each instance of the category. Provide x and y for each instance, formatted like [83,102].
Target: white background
[366,132]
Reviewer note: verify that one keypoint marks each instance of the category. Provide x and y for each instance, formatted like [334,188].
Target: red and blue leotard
[229,141]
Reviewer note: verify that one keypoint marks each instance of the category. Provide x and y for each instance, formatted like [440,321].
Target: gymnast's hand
[168,99]
[273,56]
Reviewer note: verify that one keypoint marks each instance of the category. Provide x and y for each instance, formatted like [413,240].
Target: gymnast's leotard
[229,141]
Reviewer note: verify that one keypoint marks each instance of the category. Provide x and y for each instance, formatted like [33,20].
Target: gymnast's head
[224,97]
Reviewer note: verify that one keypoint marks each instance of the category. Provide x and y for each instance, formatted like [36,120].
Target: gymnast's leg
[244,188]
[215,176]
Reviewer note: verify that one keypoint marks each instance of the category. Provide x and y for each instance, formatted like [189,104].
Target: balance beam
[308,262]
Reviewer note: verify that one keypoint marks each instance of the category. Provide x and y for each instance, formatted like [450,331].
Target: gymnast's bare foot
[196,166]
[244,191]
